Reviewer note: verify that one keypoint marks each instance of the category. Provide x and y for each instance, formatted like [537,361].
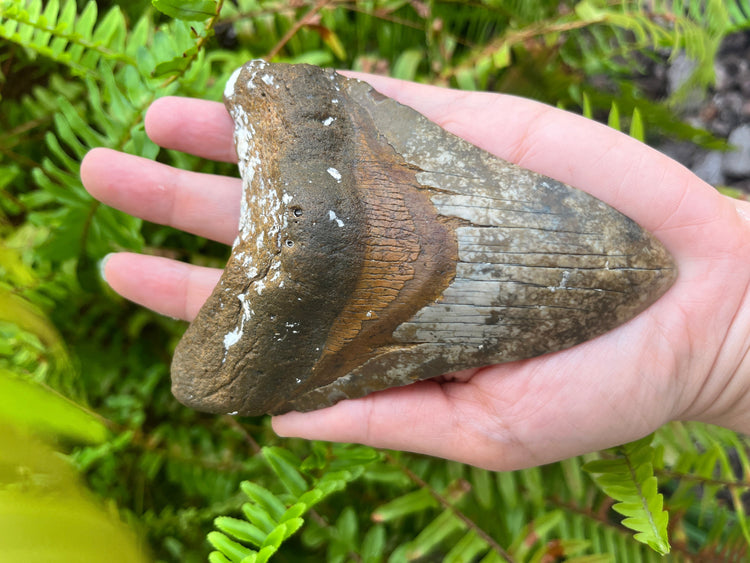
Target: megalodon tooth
[376,249]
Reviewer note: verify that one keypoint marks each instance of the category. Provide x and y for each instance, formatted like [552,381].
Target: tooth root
[376,249]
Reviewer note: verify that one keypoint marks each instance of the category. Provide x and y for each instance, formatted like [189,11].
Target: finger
[168,287]
[202,204]
[659,193]
[194,126]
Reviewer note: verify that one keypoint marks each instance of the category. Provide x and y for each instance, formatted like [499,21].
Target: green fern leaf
[49,16]
[629,479]
[262,556]
[468,548]
[407,63]
[412,502]
[482,487]
[587,110]
[636,126]
[189,10]
[258,517]
[445,525]
[84,27]
[275,538]
[217,557]
[614,117]
[283,464]
[291,526]
[31,15]
[268,522]
[177,64]
[232,549]
[586,10]
[535,532]
[55,34]
[739,14]
[241,529]
[373,546]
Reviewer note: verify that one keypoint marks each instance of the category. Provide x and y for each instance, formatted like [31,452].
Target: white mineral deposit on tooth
[232,338]
[333,217]
[229,88]
[335,174]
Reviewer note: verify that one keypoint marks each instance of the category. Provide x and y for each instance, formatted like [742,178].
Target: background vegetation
[98,462]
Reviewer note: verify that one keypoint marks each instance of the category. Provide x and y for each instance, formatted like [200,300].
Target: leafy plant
[629,479]
[39,492]
[79,75]
[270,520]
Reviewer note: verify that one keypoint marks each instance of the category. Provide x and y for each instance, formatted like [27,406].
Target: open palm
[686,357]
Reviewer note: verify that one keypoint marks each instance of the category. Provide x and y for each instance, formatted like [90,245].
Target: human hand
[686,357]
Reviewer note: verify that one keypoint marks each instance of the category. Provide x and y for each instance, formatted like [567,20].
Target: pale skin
[684,358]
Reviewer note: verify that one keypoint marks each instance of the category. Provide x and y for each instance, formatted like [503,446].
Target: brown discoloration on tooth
[376,249]
[409,257]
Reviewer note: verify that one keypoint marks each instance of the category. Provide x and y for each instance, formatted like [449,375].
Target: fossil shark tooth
[376,249]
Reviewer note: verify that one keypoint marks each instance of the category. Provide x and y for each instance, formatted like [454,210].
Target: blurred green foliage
[84,375]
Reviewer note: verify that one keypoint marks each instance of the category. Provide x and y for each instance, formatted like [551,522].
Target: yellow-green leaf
[46,516]
[501,57]
[41,409]
[636,126]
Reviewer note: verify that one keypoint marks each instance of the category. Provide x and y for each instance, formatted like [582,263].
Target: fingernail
[103,265]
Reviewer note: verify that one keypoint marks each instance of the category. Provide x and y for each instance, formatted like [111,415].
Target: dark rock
[651,76]
[683,152]
[734,43]
[728,72]
[723,109]
[743,185]
[728,112]
[709,168]
[679,73]
[736,163]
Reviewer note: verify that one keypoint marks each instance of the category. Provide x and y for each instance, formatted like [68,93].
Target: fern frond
[597,36]
[270,519]
[119,93]
[629,479]
[706,470]
[60,34]
[439,530]
[739,15]
[452,521]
